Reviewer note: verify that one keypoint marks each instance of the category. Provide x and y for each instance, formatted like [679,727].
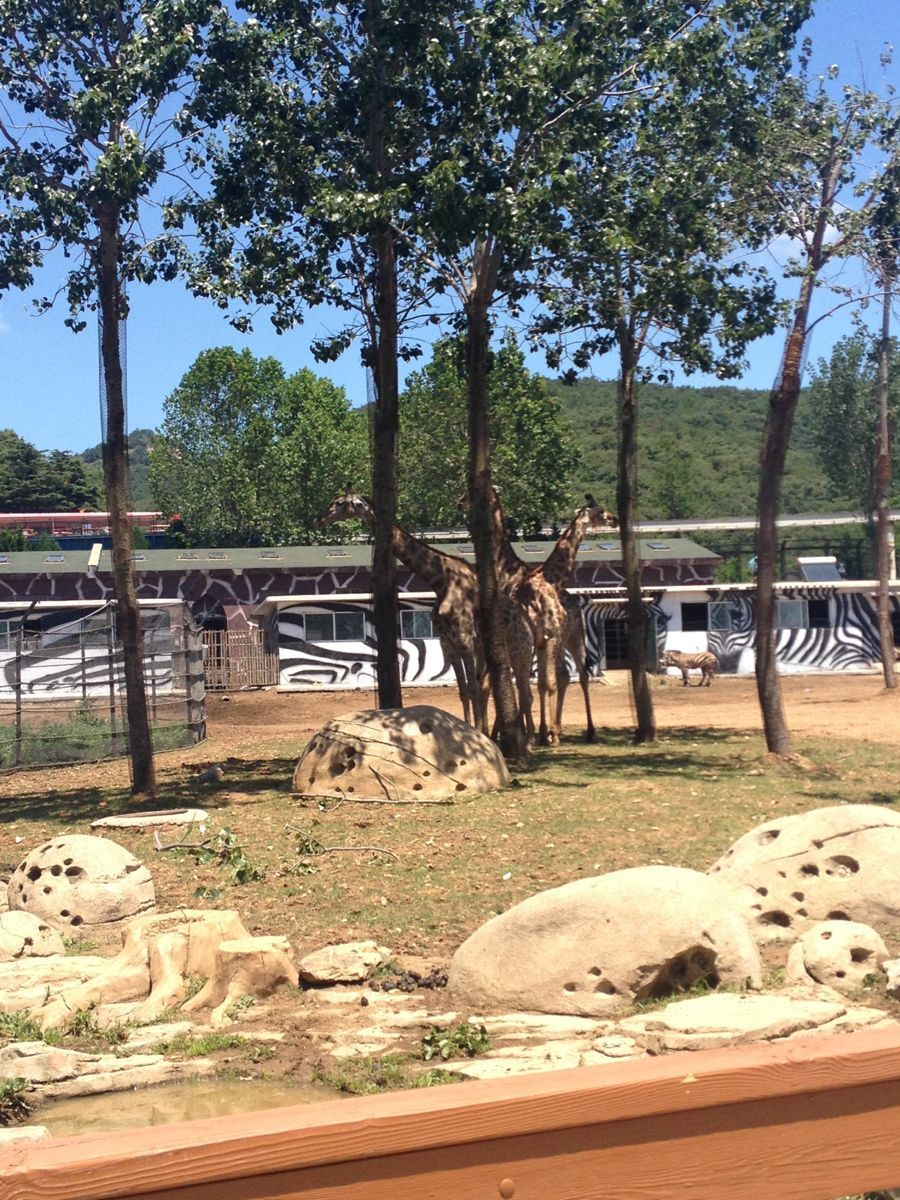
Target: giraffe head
[598,516]
[347,506]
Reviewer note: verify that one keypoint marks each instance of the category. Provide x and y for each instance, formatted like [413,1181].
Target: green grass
[83,737]
[365,1075]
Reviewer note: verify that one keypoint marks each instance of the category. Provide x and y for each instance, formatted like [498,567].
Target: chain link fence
[62,683]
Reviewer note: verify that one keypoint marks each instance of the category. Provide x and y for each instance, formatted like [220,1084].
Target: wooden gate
[239,658]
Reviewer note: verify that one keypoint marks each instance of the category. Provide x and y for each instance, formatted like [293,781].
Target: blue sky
[49,376]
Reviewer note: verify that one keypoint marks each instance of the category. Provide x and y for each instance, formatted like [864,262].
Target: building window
[349,627]
[895,623]
[695,618]
[415,623]
[818,614]
[720,616]
[319,627]
[7,635]
[335,627]
[791,614]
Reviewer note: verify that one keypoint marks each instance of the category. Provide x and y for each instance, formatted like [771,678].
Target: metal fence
[239,658]
[62,683]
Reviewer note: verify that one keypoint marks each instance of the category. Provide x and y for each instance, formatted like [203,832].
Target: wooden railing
[810,1119]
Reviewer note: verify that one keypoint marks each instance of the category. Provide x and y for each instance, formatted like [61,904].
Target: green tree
[534,451]
[34,482]
[843,416]
[658,215]
[249,456]
[809,164]
[323,107]
[91,95]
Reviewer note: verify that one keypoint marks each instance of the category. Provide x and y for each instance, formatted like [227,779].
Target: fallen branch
[181,845]
[311,847]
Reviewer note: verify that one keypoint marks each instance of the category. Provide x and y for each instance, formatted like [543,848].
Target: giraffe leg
[576,647]
[521,668]
[548,687]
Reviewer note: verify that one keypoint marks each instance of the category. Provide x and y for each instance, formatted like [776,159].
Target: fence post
[111,659]
[18,690]
[195,688]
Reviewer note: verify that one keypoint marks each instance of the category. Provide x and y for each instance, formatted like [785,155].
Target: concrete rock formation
[246,966]
[594,946]
[78,880]
[150,973]
[839,954]
[839,863]
[419,754]
[23,935]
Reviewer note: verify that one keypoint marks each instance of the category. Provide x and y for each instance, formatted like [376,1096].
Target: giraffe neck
[429,564]
[508,562]
[560,564]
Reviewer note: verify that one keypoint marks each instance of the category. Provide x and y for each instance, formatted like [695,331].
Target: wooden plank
[814,1118]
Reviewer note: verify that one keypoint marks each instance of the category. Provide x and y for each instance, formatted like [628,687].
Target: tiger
[704,661]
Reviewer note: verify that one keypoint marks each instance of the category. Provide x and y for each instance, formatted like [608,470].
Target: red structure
[78,523]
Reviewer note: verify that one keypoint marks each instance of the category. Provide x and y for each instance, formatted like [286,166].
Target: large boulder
[596,945]
[79,880]
[838,863]
[420,754]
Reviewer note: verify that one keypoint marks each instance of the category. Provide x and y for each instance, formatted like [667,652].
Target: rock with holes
[891,969]
[80,880]
[839,954]
[596,945]
[23,935]
[839,863]
[420,754]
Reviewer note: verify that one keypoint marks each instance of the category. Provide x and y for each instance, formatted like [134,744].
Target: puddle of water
[172,1102]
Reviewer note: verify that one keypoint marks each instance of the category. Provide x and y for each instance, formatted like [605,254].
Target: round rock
[23,935]
[831,864]
[839,954]
[418,754]
[596,945]
[81,880]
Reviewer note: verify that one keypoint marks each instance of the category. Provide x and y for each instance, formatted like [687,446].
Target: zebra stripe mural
[66,654]
[823,629]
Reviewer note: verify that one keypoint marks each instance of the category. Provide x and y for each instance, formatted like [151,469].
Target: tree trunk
[386,422]
[776,437]
[511,729]
[626,499]
[385,616]
[115,475]
[883,494]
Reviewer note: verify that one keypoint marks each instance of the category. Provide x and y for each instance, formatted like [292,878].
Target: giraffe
[541,620]
[534,620]
[558,569]
[456,601]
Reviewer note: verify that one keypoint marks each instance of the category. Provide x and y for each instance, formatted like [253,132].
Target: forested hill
[139,465]
[698,450]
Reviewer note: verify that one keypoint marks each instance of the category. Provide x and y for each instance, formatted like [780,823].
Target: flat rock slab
[56,1073]
[24,1133]
[168,816]
[726,1019]
[26,982]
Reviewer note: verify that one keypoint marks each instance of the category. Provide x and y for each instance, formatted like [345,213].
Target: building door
[615,636]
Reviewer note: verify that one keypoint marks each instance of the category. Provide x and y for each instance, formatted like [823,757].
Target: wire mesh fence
[62,697]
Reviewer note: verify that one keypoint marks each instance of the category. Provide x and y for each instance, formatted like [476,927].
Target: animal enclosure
[62,695]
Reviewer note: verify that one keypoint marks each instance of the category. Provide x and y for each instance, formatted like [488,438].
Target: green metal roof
[352,555]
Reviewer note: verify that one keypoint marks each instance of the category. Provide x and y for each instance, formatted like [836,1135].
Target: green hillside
[139,462]
[698,450]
